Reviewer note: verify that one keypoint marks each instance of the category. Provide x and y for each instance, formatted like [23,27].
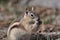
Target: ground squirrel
[28,24]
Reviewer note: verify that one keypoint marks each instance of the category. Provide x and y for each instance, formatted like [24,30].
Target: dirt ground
[3,33]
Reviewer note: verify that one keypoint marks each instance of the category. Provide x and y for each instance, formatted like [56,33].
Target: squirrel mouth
[39,22]
[31,22]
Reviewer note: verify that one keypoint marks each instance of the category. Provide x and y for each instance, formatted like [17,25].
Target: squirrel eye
[31,15]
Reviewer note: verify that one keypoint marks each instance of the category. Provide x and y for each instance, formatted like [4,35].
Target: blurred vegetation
[3,2]
[49,19]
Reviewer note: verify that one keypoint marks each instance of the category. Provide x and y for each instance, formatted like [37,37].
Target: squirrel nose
[39,21]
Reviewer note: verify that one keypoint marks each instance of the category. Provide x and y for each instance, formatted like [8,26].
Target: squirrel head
[31,16]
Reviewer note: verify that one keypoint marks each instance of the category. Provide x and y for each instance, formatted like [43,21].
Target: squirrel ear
[28,8]
[32,8]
